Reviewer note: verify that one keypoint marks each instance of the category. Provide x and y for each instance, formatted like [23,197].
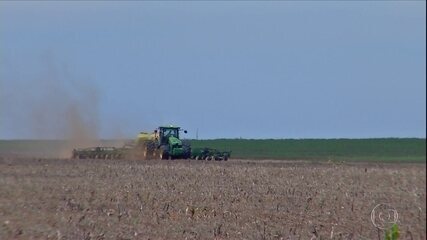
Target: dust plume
[53,101]
[66,107]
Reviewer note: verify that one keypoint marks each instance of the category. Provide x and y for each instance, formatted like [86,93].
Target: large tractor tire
[163,153]
[187,149]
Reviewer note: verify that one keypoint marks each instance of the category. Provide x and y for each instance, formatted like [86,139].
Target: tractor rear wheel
[163,155]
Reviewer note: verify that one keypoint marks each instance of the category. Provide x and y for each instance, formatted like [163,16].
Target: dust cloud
[53,104]
[66,107]
[58,106]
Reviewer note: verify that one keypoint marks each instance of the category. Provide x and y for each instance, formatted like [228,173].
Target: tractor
[164,143]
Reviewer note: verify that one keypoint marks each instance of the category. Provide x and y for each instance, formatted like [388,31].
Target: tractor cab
[169,143]
[164,133]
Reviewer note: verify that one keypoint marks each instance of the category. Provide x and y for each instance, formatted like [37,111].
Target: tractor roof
[170,126]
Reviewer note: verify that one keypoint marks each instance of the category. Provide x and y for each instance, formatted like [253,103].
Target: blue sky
[281,69]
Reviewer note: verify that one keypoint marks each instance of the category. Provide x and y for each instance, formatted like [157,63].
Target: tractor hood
[175,142]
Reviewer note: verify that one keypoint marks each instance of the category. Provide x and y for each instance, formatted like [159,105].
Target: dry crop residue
[97,199]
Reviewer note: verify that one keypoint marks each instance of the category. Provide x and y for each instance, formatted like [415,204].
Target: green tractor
[164,143]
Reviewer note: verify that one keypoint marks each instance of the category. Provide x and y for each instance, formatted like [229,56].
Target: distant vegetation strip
[375,150]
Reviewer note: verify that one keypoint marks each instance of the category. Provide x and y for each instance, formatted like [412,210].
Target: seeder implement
[209,154]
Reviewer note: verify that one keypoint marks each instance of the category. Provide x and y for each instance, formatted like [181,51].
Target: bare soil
[121,199]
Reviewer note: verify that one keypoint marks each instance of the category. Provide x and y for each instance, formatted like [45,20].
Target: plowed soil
[120,199]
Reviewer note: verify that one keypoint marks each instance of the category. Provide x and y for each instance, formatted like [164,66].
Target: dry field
[97,199]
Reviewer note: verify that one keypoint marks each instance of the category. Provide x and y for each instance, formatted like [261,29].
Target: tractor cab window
[171,132]
[166,133]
